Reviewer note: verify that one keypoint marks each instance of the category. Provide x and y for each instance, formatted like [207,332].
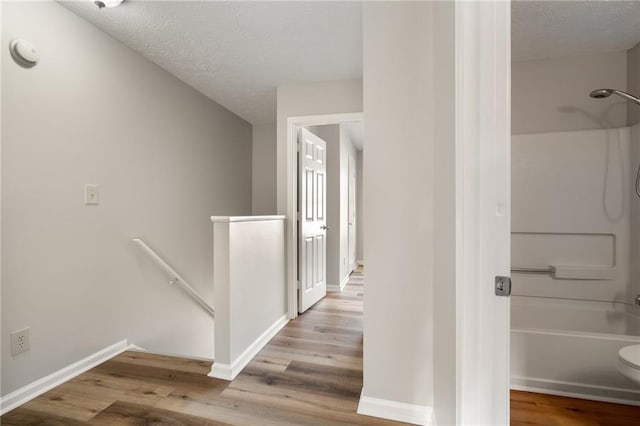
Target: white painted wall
[297,100]
[398,201]
[552,95]
[166,158]
[263,169]
[249,290]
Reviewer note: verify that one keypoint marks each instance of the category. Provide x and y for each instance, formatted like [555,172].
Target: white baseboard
[338,288]
[229,372]
[40,386]
[136,348]
[393,410]
[577,390]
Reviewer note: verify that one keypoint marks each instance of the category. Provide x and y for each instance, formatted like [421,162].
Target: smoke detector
[107,3]
[24,53]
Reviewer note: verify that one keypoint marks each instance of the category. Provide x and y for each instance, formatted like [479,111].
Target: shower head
[605,93]
[601,93]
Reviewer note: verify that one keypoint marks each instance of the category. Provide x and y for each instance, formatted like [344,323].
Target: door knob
[325,227]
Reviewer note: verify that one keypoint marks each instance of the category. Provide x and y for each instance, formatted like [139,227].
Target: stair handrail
[175,277]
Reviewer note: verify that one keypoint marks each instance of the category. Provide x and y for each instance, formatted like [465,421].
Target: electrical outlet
[20,341]
[90,194]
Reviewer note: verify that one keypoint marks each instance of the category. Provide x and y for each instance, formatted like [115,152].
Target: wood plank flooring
[536,409]
[309,374]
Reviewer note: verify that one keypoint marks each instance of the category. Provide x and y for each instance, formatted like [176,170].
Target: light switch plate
[91,194]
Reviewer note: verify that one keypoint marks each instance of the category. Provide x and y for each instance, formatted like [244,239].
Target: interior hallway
[309,374]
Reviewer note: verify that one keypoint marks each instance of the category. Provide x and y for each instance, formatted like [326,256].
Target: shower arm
[627,96]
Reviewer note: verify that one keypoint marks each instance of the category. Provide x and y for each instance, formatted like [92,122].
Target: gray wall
[398,201]
[165,157]
[444,255]
[263,177]
[633,83]
[552,95]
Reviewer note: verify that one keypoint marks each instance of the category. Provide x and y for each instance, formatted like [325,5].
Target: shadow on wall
[604,120]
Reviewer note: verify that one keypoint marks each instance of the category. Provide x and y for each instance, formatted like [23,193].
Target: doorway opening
[325,198]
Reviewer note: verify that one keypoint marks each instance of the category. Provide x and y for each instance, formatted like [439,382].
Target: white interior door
[312,187]
[352,213]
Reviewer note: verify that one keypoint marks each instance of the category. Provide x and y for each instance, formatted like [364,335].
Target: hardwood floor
[535,409]
[309,374]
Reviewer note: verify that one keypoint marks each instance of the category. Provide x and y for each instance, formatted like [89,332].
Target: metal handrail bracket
[175,277]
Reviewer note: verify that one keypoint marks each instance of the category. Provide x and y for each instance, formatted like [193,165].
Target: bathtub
[569,347]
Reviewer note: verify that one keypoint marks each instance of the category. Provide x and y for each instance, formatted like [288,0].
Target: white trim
[40,386]
[137,348]
[339,287]
[246,218]
[229,372]
[482,210]
[600,336]
[291,231]
[393,410]
[577,390]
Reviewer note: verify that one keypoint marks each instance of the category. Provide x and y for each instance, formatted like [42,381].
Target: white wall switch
[20,341]
[90,194]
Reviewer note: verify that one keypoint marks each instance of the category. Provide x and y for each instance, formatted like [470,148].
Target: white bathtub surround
[571,214]
[249,290]
[575,230]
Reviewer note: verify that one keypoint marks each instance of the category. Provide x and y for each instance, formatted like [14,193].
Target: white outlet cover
[91,194]
[20,341]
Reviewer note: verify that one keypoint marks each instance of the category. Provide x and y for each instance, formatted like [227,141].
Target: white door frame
[292,194]
[483,209]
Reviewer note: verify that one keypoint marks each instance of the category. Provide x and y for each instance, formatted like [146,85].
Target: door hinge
[298,146]
[503,286]
[297,215]
[298,283]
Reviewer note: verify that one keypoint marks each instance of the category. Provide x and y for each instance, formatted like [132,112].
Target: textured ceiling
[237,53]
[549,29]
